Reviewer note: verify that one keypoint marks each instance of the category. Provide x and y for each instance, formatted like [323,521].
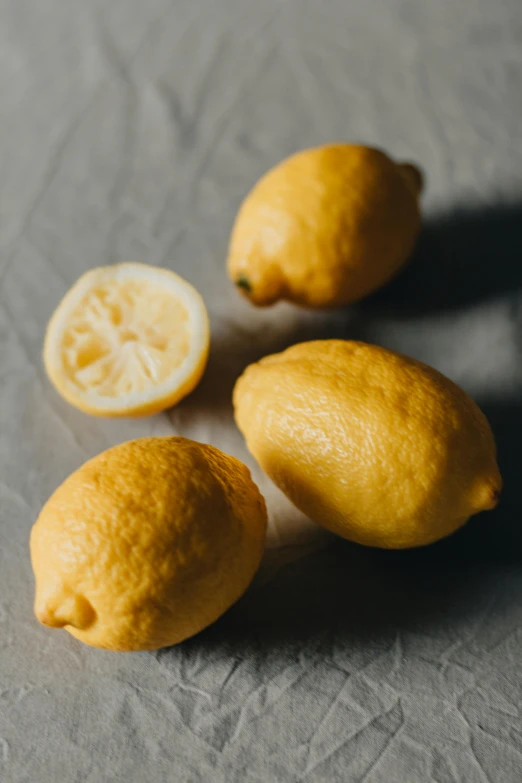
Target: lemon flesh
[127,340]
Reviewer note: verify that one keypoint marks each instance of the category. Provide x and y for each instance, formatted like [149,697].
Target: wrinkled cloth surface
[131,131]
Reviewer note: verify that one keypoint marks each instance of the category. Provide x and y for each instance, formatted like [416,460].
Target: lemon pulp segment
[127,338]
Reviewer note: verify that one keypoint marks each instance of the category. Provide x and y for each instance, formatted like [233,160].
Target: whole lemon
[325,227]
[147,544]
[377,447]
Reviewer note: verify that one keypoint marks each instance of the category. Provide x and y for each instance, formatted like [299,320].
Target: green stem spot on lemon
[244,283]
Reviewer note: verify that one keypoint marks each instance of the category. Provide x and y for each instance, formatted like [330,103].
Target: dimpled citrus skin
[325,227]
[147,544]
[377,447]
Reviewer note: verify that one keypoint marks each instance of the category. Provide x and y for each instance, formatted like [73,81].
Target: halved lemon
[127,340]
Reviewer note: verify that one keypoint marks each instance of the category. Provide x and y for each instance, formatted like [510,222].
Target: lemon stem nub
[244,283]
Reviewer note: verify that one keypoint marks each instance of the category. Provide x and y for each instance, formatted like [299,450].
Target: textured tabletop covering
[131,130]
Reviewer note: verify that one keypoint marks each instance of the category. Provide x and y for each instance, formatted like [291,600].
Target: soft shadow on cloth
[462,258]
[348,593]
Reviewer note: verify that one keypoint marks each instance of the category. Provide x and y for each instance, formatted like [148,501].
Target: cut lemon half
[127,340]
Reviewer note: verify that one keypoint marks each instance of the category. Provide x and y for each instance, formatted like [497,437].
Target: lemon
[377,447]
[127,340]
[147,544]
[325,227]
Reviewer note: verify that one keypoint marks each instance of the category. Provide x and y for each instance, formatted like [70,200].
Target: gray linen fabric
[131,130]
